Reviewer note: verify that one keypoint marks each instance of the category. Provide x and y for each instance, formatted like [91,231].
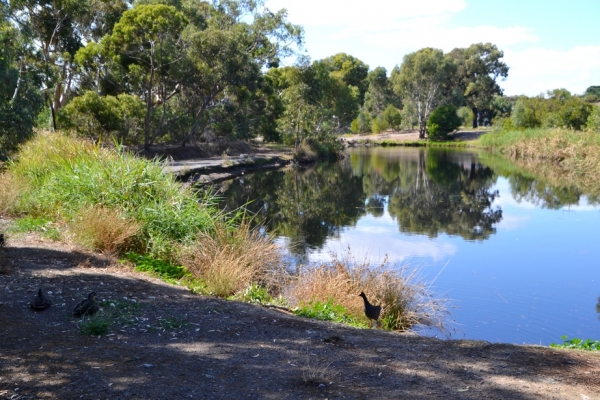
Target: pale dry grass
[305,153]
[229,260]
[103,229]
[318,371]
[11,188]
[404,300]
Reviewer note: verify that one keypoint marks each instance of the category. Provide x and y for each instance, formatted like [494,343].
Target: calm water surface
[518,259]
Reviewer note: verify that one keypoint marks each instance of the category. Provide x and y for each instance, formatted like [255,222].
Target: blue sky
[547,44]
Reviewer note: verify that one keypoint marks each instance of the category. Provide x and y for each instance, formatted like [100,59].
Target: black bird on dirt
[372,312]
[86,307]
[40,302]
[2,240]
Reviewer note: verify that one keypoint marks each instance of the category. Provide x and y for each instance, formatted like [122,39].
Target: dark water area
[518,259]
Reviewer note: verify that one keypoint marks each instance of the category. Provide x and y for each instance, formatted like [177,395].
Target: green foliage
[579,344]
[466,115]
[379,124]
[379,93]
[105,118]
[20,99]
[65,175]
[157,267]
[254,293]
[328,312]
[420,79]
[593,90]
[442,121]
[392,117]
[351,70]
[96,325]
[593,122]
[172,323]
[39,224]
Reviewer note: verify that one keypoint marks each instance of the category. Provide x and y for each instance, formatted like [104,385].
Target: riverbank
[166,342]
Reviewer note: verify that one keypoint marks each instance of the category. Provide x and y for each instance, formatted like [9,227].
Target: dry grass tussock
[304,153]
[575,157]
[318,371]
[230,259]
[100,228]
[404,300]
[12,187]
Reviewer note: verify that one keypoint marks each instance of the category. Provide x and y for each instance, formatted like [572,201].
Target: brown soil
[167,343]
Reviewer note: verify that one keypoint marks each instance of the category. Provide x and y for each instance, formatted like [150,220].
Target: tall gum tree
[147,43]
[421,79]
[478,68]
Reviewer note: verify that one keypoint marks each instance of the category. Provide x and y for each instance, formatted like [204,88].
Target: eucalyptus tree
[351,70]
[478,68]
[421,79]
[57,29]
[379,92]
[146,44]
[20,99]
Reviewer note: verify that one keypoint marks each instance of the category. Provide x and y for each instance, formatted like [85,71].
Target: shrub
[100,228]
[62,175]
[230,260]
[392,117]
[442,121]
[593,122]
[404,301]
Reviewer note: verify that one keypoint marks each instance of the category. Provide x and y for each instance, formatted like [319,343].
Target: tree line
[183,71]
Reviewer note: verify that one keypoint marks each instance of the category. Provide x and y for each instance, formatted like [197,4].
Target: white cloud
[537,70]
[377,13]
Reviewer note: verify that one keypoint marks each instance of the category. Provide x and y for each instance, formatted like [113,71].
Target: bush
[337,284]
[105,118]
[593,122]
[392,117]
[61,176]
[230,260]
[466,116]
[442,121]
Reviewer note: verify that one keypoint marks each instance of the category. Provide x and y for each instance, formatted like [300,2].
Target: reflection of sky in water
[535,279]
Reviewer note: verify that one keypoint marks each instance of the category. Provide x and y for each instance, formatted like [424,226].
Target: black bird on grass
[40,302]
[372,312]
[86,307]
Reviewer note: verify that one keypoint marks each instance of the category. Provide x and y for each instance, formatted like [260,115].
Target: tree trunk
[475,112]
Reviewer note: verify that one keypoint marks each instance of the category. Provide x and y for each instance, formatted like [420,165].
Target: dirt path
[167,343]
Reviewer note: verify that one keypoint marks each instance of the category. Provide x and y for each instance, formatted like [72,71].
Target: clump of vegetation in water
[580,344]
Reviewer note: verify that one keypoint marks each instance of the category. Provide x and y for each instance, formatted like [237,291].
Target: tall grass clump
[229,260]
[100,228]
[404,300]
[10,192]
[64,177]
[570,156]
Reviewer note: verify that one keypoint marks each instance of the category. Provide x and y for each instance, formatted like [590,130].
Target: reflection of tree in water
[430,193]
[305,205]
[538,192]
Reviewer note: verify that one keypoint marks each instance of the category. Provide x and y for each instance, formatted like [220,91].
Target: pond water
[517,258]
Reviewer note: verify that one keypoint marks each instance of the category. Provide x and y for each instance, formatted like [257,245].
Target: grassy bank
[108,200]
[562,156]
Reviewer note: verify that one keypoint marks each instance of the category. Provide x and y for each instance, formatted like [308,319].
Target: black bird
[372,312]
[86,307]
[40,302]
[2,240]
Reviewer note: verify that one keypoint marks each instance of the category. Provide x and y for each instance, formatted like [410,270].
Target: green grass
[120,311]
[580,344]
[97,325]
[254,293]
[62,175]
[40,225]
[172,323]
[328,312]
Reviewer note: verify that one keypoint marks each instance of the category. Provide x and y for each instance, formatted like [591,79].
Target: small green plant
[162,269]
[122,312]
[41,225]
[575,343]
[171,323]
[94,326]
[328,312]
[254,293]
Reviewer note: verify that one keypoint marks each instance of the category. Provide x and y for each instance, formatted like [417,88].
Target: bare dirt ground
[167,343]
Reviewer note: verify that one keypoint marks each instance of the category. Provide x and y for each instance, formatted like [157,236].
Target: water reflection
[430,191]
[426,191]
